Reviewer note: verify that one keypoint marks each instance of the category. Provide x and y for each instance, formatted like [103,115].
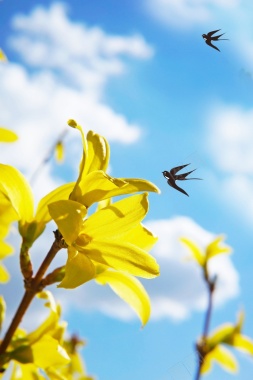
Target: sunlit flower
[112,236]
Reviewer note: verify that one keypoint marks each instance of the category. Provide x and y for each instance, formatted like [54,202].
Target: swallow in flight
[172,177]
[209,37]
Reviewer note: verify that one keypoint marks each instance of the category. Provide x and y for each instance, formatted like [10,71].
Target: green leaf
[130,290]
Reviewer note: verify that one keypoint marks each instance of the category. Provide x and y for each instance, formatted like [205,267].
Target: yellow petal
[72,123]
[7,136]
[59,151]
[68,215]
[222,334]
[214,248]
[138,184]
[112,221]
[27,371]
[122,256]
[140,236]
[98,153]
[2,311]
[17,190]
[130,290]
[224,358]
[4,274]
[79,269]
[61,193]
[195,251]
[47,352]
[244,343]
[5,249]
[49,324]
[2,56]
[95,187]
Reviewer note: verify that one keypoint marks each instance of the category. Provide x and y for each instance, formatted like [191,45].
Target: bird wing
[211,33]
[216,38]
[173,171]
[210,44]
[183,176]
[173,184]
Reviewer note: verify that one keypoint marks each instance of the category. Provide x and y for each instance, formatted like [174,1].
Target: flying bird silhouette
[209,37]
[172,177]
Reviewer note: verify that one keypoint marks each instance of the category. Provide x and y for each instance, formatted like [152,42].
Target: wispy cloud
[229,143]
[61,73]
[187,13]
[179,290]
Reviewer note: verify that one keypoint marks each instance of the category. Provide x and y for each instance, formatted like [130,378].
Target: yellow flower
[224,336]
[16,196]
[213,249]
[94,184]
[42,348]
[112,236]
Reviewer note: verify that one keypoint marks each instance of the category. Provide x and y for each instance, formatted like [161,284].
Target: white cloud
[63,74]
[86,55]
[175,294]
[229,144]
[187,13]
[179,290]
[229,140]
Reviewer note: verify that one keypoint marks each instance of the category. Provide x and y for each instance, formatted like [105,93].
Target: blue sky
[140,74]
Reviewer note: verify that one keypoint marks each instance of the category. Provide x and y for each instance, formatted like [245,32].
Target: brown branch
[31,290]
[201,345]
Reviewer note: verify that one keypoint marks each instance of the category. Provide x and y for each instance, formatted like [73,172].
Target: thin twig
[35,287]
[48,156]
[201,346]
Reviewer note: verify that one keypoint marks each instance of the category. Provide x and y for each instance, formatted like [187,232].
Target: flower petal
[130,290]
[68,215]
[214,248]
[17,190]
[59,152]
[95,187]
[4,274]
[224,358]
[195,251]
[118,218]
[2,311]
[141,237]
[60,193]
[122,256]
[7,136]
[98,153]
[222,334]
[244,343]
[47,352]
[79,269]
